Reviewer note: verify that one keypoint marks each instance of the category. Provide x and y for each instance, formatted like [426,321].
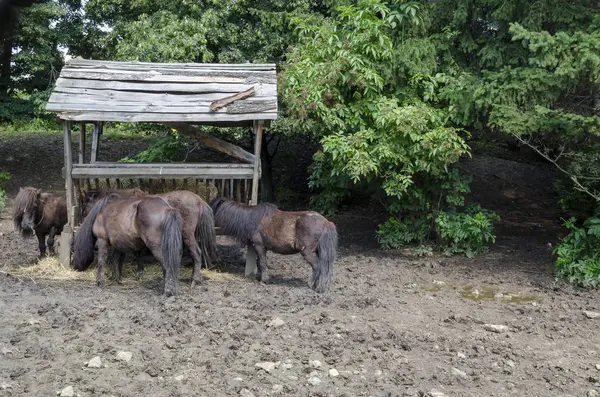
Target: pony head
[26,210]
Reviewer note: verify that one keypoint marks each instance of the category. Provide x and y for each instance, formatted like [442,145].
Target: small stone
[461,355]
[435,393]
[378,373]
[124,356]
[277,388]
[268,365]
[314,363]
[510,363]
[67,392]
[235,382]
[495,328]
[292,377]
[287,366]
[498,295]
[95,362]
[598,367]
[345,374]
[592,393]
[533,303]
[179,378]
[591,315]
[246,393]
[457,372]
[276,322]
[333,372]
[314,380]
[438,282]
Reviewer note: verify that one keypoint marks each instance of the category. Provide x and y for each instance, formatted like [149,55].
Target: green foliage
[4,176]
[578,254]
[468,232]
[361,79]
[167,148]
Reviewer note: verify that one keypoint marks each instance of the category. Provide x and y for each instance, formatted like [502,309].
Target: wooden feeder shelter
[177,95]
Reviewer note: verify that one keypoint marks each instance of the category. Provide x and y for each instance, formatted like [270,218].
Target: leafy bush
[4,176]
[167,148]
[578,254]
[468,232]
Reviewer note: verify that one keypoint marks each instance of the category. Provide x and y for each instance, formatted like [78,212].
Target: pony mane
[23,202]
[240,220]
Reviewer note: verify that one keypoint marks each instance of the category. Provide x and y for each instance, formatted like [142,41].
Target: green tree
[357,80]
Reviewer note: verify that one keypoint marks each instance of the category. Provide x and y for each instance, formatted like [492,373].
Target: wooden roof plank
[151,65]
[164,117]
[73,94]
[265,89]
[253,107]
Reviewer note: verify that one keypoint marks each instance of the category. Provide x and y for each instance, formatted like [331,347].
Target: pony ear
[38,191]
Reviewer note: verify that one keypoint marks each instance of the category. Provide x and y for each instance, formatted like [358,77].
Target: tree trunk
[266,179]
[6,40]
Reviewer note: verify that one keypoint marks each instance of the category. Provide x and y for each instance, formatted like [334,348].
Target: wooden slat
[203,107]
[197,166]
[166,117]
[265,89]
[157,172]
[74,95]
[155,76]
[151,65]
[190,72]
[65,94]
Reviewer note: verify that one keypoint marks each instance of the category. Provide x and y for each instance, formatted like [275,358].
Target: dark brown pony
[267,228]
[44,214]
[198,228]
[118,224]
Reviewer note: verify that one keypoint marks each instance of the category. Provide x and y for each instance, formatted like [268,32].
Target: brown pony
[267,228]
[44,214]
[117,224]
[198,228]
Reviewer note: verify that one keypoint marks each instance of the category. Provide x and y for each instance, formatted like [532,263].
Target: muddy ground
[392,324]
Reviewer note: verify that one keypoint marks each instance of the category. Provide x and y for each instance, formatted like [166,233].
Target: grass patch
[114,131]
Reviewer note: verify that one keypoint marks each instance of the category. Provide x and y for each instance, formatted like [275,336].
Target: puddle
[482,293]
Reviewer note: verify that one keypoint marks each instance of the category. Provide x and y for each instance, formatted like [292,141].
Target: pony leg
[261,262]
[51,240]
[41,244]
[313,260]
[102,259]
[194,250]
[117,261]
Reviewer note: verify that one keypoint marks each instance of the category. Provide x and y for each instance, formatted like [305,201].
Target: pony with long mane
[198,227]
[44,214]
[267,228]
[117,224]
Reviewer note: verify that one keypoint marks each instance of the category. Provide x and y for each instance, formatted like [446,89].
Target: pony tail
[326,253]
[83,245]
[172,249]
[205,233]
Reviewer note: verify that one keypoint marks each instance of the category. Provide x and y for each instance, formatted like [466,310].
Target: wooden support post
[68,169]
[64,249]
[82,143]
[258,131]
[95,139]
[67,234]
[251,256]
[250,252]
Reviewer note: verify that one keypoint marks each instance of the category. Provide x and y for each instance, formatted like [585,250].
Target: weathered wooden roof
[89,90]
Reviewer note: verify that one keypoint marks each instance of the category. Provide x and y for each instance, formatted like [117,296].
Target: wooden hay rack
[179,96]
